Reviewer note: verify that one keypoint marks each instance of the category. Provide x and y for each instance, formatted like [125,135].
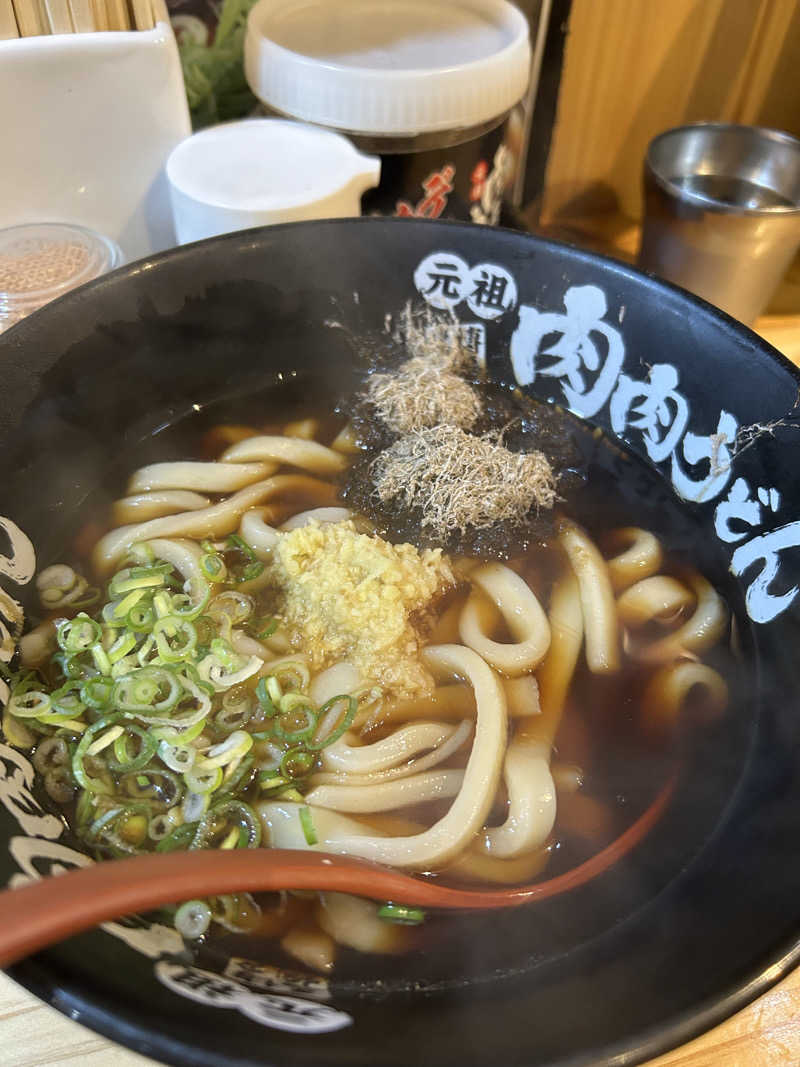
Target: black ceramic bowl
[700,918]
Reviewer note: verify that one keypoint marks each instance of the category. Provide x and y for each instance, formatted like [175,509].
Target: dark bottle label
[467,182]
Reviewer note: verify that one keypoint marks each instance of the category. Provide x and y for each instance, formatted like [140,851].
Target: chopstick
[82,16]
[31,18]
[58,16]
[34,18]
[142,14]
[100,14]
[8,21]
[117,11]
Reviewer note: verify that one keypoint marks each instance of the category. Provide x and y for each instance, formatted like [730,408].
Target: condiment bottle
[428,86]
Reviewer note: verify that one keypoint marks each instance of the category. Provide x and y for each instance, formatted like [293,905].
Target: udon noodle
[189,711]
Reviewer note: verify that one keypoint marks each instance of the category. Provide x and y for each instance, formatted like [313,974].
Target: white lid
[388,67]
[265,164]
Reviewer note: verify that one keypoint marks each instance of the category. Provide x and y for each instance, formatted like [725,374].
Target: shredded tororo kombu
[517,422]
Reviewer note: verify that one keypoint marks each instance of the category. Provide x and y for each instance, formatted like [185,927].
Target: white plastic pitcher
[262,171]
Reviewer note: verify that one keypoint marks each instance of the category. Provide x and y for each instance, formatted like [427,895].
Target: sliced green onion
[232,605]
[344,724]
[263,628]
[249,571]
[270,780]
[235,541]
[124,644]
[201,779]
[141,617]
[63,722]
[127,581]
[174,736]
[238,912]
[92,785]
[307,823]
[154,785]
[213,567]
[124,828]
[96,692]
[188,605]
[122,607]
[264,699]
[124,666]
[123,760]
[177,757]
[148,690]
[401,913]
[292,677]
[87,599]
[85,809]
[29,704]
[291,701]
[104,740]
[176,638]
[234,747]
[162,605]
[78,634]
[101,660]
[212,669]
[237,777]
[237,709]
[180,838]
[193,919]
[216,821]
[67,699]
[163,823]
[297,763]
[71,666]
[295,726]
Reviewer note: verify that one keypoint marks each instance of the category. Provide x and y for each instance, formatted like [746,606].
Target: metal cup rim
[708,203]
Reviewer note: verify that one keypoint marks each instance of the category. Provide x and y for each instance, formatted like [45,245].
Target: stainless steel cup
[722,212]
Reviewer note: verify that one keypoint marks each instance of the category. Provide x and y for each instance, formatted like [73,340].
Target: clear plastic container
[41,261]
[427,86]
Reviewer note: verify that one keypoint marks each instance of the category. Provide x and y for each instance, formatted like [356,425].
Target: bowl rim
[92,1008]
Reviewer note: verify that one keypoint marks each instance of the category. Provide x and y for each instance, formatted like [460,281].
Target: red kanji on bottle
[478,179]
[437,187]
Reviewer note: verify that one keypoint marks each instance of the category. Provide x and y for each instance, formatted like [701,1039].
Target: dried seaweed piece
[526,425]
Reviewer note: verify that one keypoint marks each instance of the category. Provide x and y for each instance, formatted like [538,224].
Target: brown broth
[600,731]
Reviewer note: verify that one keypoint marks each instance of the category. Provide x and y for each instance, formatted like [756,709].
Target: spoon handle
[44,912]
[50,910]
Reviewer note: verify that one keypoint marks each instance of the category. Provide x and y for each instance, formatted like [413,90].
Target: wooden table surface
[765,1034]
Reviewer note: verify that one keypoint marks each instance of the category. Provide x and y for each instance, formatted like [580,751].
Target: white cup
[262,171]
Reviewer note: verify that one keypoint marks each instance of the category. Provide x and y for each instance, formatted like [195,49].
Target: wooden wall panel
[636,67]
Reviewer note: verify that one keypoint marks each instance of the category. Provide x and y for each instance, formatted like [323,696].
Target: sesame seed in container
[41,261]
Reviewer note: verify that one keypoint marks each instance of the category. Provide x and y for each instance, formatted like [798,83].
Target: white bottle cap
[261,171]
[388,67]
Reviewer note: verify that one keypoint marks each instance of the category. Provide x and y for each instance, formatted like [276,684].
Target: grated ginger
[354,596]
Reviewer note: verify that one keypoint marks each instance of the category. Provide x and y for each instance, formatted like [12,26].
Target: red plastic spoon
[55,908]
